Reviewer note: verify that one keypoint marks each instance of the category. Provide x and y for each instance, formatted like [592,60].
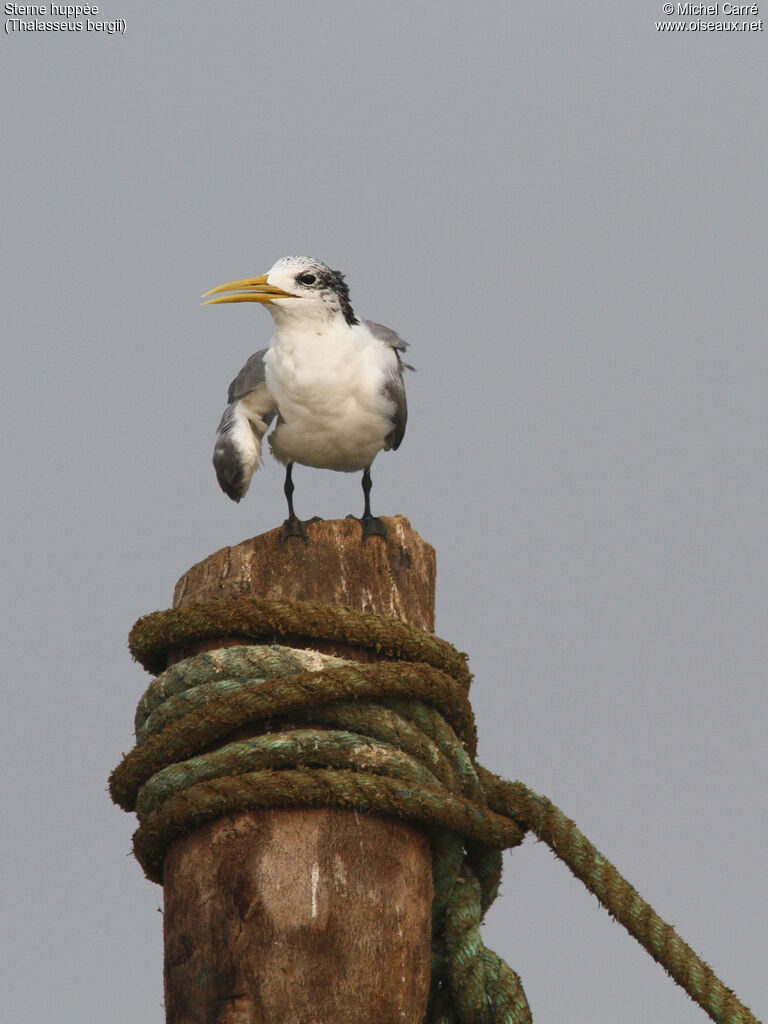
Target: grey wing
[388,336]
[252,376]
[394,388]
[250,410]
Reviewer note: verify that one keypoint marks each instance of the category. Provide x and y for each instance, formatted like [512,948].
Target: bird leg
[293,526]
[372,525]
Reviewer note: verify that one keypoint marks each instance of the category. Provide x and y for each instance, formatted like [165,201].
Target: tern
[334,382]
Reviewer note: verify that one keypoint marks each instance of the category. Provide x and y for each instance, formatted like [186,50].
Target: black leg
[367,485]
[293,526]
[288,489]
[372,525]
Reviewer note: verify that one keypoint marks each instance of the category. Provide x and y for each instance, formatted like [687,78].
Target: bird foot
[372,527]
[294,527]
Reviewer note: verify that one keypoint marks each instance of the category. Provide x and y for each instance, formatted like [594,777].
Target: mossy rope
[395,737]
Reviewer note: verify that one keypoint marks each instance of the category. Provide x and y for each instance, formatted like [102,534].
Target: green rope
[212,714]
[616,894]
[259,619]
[395,737]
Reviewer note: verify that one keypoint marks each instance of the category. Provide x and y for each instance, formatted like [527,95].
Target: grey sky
[564,212]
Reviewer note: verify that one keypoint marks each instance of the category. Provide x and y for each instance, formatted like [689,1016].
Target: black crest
[334,281]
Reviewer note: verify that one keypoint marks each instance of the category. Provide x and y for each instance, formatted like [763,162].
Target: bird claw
[294,527]
[372,526]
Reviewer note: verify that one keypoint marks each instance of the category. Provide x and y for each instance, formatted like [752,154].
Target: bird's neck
[292,326]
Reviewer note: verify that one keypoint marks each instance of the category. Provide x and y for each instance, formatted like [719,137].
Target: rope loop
[397,737]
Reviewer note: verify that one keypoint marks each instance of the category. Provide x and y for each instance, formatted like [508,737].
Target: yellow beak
[250,289]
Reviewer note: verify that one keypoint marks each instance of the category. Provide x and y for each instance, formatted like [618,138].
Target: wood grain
[316,916]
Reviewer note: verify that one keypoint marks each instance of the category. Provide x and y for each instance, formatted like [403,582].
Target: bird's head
[296,288]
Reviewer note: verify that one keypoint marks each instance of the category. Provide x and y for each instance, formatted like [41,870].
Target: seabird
[334,382]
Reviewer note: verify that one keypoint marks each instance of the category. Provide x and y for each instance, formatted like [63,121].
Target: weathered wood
[396,579]
[316,916]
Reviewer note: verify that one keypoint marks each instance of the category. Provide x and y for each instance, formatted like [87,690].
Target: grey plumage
[388,336]
[247,417]
[251,376]
[394,388]
[230,468]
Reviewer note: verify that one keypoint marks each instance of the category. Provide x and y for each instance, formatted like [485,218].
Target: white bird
[334,382]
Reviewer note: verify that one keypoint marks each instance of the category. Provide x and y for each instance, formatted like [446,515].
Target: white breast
[329,390]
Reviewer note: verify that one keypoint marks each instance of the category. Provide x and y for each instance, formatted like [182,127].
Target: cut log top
[395,578]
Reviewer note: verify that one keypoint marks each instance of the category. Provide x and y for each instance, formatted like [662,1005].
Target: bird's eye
[306,279]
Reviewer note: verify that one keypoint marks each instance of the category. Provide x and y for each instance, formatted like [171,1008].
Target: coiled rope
[395,737]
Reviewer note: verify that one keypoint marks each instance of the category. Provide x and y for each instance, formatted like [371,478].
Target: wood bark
[317,915]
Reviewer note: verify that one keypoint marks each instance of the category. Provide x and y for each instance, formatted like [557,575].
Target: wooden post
[316,916]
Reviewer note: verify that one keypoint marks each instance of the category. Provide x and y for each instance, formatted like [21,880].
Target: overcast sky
[564,211]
